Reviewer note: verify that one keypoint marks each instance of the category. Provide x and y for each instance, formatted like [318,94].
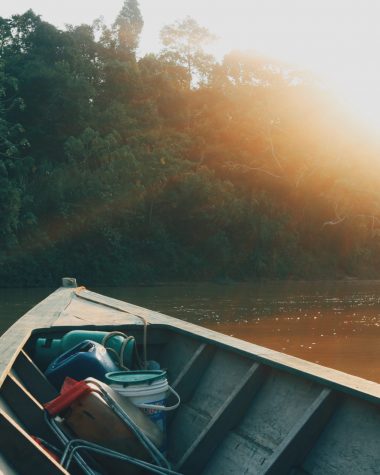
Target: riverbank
[54,283]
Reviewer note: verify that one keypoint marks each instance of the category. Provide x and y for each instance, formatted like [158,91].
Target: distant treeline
[118,169]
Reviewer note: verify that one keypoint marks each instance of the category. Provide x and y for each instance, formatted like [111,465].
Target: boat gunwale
[337,380]
[272,363]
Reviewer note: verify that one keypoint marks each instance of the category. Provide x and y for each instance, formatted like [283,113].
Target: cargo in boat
[244,409]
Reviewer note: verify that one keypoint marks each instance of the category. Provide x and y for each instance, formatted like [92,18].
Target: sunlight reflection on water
[335,324]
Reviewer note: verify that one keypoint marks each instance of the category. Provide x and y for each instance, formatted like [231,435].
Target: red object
[70,392]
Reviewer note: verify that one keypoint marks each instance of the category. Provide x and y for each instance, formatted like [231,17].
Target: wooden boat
[245,409]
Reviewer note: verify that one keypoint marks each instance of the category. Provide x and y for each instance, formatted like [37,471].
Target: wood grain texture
[225,418]
[302,436]
[26,408]
[350,444]
[42,315]
[18,449]
[33,379]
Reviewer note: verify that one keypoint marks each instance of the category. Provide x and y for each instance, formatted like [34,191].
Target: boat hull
[244,409]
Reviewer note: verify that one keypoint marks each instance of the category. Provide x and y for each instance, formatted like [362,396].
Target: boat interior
[238,414]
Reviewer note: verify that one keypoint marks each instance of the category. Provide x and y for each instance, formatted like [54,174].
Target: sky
[337,39]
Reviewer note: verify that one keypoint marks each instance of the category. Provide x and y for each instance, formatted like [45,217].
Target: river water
[335,324]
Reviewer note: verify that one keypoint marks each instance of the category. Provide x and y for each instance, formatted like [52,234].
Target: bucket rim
[134,378]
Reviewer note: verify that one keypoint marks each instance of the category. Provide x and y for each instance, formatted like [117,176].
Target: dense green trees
[121,169]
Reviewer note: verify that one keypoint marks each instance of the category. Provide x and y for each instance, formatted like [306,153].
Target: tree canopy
[117,168]
[184,43]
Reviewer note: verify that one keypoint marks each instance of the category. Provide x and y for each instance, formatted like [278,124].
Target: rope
[120,309]
[120,355]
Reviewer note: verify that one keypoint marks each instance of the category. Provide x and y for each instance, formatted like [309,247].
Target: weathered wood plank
[331,378]
[86,310]
[350,444]
[302,436]
[188,379]
[225,419]
[22,452]
[33,379]
[176,353]
[28,410]
[42,315]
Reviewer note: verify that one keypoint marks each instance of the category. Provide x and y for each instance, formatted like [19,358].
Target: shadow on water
[335,324]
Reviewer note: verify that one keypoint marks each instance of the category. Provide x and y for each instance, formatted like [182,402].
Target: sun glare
[359,92]
[337,39]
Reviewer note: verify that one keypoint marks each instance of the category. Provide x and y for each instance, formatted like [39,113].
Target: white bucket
[150,397]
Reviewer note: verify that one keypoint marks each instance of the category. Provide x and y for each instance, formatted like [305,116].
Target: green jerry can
[47,349]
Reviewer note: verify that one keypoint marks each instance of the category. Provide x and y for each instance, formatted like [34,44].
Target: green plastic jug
[47,349]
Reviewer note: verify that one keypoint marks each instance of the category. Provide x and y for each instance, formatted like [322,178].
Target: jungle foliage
[121,169]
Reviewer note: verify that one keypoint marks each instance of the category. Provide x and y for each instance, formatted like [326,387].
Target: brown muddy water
[334,324]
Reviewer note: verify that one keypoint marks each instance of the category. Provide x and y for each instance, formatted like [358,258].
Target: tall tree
[183,44]
[128,26]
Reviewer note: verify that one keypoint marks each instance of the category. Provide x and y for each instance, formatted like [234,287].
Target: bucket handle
[163,408]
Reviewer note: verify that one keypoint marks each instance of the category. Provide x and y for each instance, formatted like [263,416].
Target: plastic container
[148,390]
[94,419]
[87,359]
[47,349]
[99,415]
